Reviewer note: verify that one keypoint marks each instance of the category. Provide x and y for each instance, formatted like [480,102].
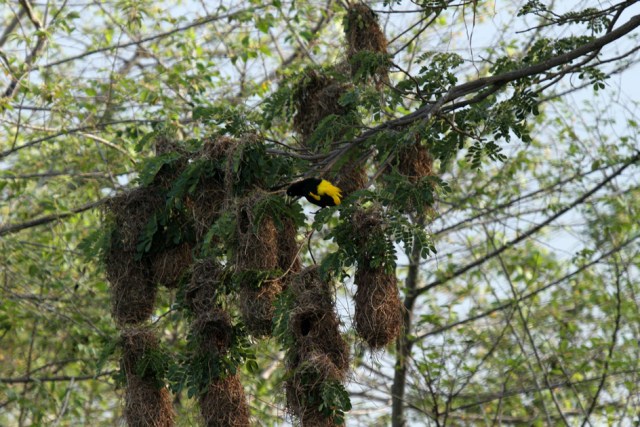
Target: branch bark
[14,228]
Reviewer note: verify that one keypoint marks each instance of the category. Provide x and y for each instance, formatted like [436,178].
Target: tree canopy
[481,268]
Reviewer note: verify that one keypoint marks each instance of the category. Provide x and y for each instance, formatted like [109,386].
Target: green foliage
[96,243]
[253,278]
[253,167]
[220,237]
[279,106]
[283,305]
[197,369]
[368,64]
[150,167]
[335,401]
[334,128]
[228,120]
[146,237]
[154,365]
[276,207]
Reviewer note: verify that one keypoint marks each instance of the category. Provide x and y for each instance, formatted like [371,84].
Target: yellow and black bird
[317,191]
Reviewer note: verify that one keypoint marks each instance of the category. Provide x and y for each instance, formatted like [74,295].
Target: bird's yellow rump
[317,191]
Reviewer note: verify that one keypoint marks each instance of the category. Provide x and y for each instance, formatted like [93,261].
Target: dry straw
[288,248]
[415,162]
[378,314]
[147,404]
[351,177]
[212,192]
[316,97]
[378,309]
[319,354]
[133,291]
[224,404]
[257,250]
[169,265]
[364,34]
[206,280]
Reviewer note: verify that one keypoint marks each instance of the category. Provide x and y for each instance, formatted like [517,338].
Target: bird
[318,191]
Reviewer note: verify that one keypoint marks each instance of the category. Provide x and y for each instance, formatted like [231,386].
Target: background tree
[527,313]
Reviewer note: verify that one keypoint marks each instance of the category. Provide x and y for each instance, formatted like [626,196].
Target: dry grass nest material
[133,292]
[352,178]
[212,193]
[415,162]
[257,241]
[378,314]
[131,212]
[224,404]
[135,343]
[256,306]
[363,32]
[366,223]
[314,324]
[316,97]
[146,405]
[214,330]
[206,281]
[168,173]
[169,265]
[288,248]
[307,380]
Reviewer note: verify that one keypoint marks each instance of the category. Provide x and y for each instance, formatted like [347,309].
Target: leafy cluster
[195,369]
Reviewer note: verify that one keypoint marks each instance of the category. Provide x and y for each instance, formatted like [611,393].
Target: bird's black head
[297,189]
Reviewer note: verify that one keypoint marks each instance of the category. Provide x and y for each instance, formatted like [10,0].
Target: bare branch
[14,228]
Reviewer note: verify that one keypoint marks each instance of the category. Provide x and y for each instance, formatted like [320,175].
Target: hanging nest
[319,356]
[316,97]
[212,192]
[169,265]
[378,316]
[130,212]
[313,323]
[207,279]
[257,241]
[363,33]
[148,404]
[304,389]
[415,162]
[217,149]
[288,248]
[133,292]
[257,251]
[135,343]
[366,225]
[256,306]
[168,173]
[352,177]
[214,331]
[224,404]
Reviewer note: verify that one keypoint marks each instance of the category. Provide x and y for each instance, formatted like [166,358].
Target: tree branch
[14,228]
[27,380]
[531,231]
